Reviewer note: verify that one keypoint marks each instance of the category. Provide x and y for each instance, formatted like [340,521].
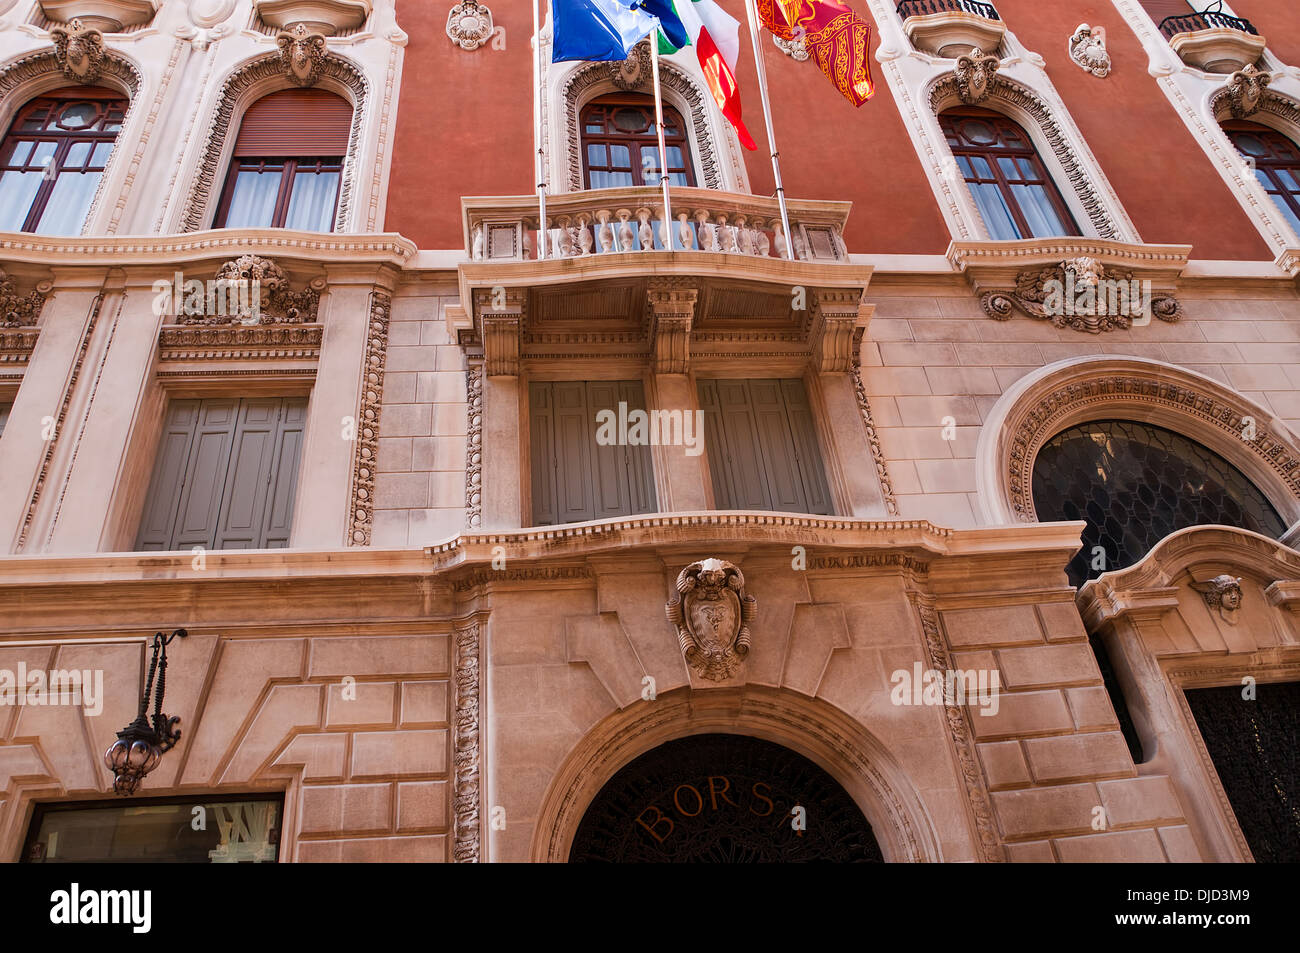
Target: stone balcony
[1214,42]
[950,28]
[107,16]
[629,221]
[327,17]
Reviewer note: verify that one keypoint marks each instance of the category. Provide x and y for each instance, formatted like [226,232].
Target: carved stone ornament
[1223,593]
[302,53]
[974,72]
[79,51]
[633,73]
[1088,50]
[108,16]
[1246,91]
[20,310]
[469,24]
[1083,294]
[795,49]
[712,615]
[276,303]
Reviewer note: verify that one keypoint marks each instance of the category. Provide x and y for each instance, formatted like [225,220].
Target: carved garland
[474,446]
[270,68]
[465,795]
[1038,426]
[670,78]
[873,437]
[947,90]
[362,496]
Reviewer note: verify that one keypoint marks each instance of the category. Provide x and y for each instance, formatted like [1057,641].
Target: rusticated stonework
[946,91]
[1039,425]
[467,845]
[362,495]
[196,214]
[712,615]
[669,78]
[474,445]
[1034,294]
[936,651]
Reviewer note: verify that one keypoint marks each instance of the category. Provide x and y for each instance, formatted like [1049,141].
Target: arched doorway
[723,798]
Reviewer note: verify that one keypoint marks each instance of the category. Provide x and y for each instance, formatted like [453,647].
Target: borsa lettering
[689,800]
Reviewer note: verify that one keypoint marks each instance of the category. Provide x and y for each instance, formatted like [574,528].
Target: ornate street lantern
[140,746]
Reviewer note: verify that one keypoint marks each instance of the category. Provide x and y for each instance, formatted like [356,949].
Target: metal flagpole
[755,34]
[539,164]
[659,126]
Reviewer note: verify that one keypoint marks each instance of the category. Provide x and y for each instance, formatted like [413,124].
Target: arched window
[1015,195]
[53,157]
[287,162]
[1135,484]
[1277,164]
[620,146]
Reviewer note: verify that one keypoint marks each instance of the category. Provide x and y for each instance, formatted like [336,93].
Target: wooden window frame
[1268,165]
[65,139]
[994,152]
[634,141]
[288,171]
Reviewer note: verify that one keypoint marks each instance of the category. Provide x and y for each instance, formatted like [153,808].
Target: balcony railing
[1194,22]
[920,8]
[625,221]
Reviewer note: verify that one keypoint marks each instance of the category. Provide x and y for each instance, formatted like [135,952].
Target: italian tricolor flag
[716,38]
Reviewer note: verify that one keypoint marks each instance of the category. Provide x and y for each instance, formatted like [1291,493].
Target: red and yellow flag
[835,37]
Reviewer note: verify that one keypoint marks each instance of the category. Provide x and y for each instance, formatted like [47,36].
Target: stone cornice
[990,263]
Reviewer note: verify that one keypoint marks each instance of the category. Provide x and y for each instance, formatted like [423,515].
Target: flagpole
[754,34]
[539,161]
[659,127]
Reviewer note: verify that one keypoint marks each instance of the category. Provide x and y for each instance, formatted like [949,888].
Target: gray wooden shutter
[762,446]
[163,500]
[542,460]
[205,475]
[284,475]
[573,446]
[4,416]
[263,466]
[638,463]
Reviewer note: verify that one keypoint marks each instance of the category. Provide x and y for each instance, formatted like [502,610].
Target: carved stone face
[1232,597]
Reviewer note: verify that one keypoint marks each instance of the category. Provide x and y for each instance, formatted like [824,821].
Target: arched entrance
[723,798]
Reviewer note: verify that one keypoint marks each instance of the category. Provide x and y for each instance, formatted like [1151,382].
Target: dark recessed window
[1277,164]
[1135,484]
[1015,196]
[53,157]
[620,146]
[287,162]
[185,830]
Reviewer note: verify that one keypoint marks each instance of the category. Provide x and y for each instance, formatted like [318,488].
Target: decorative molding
[795,49]
[671,78]
[947,90]
[1088,50]
[21,310]
[1033,297]
[223,120]
[977,796]
[469,581]
[468,829]
[712,614]
[16,346]
[474,445]
[1245,91]
[839,319]
[240,342]
[873,440]
[469,24]
[973,75]
[501,313]
[672,314]
[362,495]
[277,303]
[302,54]
[79,51]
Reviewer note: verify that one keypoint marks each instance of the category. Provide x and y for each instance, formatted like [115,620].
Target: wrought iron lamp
[140,746]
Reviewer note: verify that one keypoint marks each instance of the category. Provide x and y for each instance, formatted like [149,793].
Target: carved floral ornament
[1083,294]
[712,615]
[302,54]
[247,290]
[20,310]
[1088,50]
[1245,90]
[974,72]
[469,24]
[79,51]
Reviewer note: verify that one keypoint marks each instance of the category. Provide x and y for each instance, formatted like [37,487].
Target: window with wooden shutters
[762,446]
[287,162]
[573,477]
[225,474]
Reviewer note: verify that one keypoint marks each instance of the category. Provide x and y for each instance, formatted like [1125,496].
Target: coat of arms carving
[712,614]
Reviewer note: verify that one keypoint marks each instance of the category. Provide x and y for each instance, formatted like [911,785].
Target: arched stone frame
[714,147]
[1277,112]
[1061,395]
[37,73]
[833,740]
[1069,162]
[247,84]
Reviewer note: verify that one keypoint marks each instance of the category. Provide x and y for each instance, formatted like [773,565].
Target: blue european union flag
[597,29]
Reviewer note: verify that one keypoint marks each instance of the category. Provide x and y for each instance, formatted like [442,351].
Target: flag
[716,38]
[597,29]
[834,36]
